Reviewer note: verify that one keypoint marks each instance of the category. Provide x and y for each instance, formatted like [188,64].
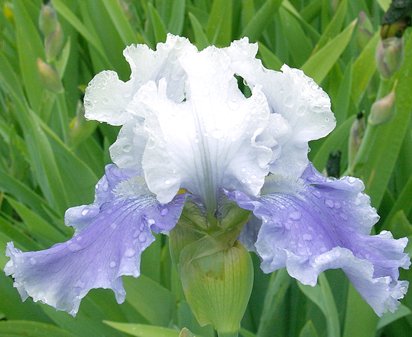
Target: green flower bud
[357,131]
[382,110]
[217,279]
[54,43]
[49,77]
[389,56]
[47,20]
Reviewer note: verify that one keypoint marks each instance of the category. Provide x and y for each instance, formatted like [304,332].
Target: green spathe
[217,279]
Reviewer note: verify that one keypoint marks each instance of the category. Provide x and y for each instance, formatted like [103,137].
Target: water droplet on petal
[307,237]
[295,215]
[113,225]
[316,193]
[167,182]
[337,205]
[329,203]
[130,252]
[33,261]
[164,212]
[112,264]
[136,234]
[74,247]
[142,237]
[85,211]
[151,222]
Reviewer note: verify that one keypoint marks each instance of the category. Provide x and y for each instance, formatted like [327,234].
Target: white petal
[107,98]
[294,96]
[216,138]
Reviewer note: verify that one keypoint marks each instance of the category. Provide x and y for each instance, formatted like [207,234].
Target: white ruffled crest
[292,95]
[215,138]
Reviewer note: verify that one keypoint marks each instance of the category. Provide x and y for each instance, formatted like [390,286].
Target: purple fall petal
[324,223]
[110,236]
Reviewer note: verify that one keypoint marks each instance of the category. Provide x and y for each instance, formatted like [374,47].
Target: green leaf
[257,25]
[150,299]
[157,23]
[374,168]
[177,18]
[390,317]
[72,18]
[200,36]
[335,25]
[308,330]
[319,64]
[31,329]
[360,319]
[363,69]
[272,308]
[120,21]
[322,296]
[29,53]
[219,24]
[141,330]
[269,59]
[246,333]
[36,224]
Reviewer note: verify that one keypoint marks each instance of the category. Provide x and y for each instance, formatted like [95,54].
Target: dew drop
[337,205]
[142,237]
[307,237]
[113,225]
[343,216]
[167,182]
[151,222]
[295,215]
[74,247]
[112,264]
[164,212]
[329,203]
[316,193]
[130,252]
[85,211]
[136,234]
[33,261]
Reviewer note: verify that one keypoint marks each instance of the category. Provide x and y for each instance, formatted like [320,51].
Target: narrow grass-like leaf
[257,25]
[150,299]
[177,17]
[31,329]
[142,330]
[269,59]
[200,36]
[363,69]
[360,319]
[319,64]
[157,23]
[308,330]
[219,24]
[322,296]
[29,52]
[65,12]
[373,167]
[36,224]
[120,21]
[334,26]
[390,317]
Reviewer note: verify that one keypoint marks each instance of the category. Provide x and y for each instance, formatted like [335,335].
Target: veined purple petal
[110,236]
[322,224]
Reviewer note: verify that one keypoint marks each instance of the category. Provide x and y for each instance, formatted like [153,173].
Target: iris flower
[189,134]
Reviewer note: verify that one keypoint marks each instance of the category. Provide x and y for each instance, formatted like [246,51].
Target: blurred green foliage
[51,157]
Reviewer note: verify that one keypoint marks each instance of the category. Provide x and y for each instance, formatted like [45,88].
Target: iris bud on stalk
[47,20]
[53,43]
[217,281]
[49,77]
[382,110]
[389,56]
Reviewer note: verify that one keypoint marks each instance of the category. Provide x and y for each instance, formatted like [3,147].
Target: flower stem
[227,334]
